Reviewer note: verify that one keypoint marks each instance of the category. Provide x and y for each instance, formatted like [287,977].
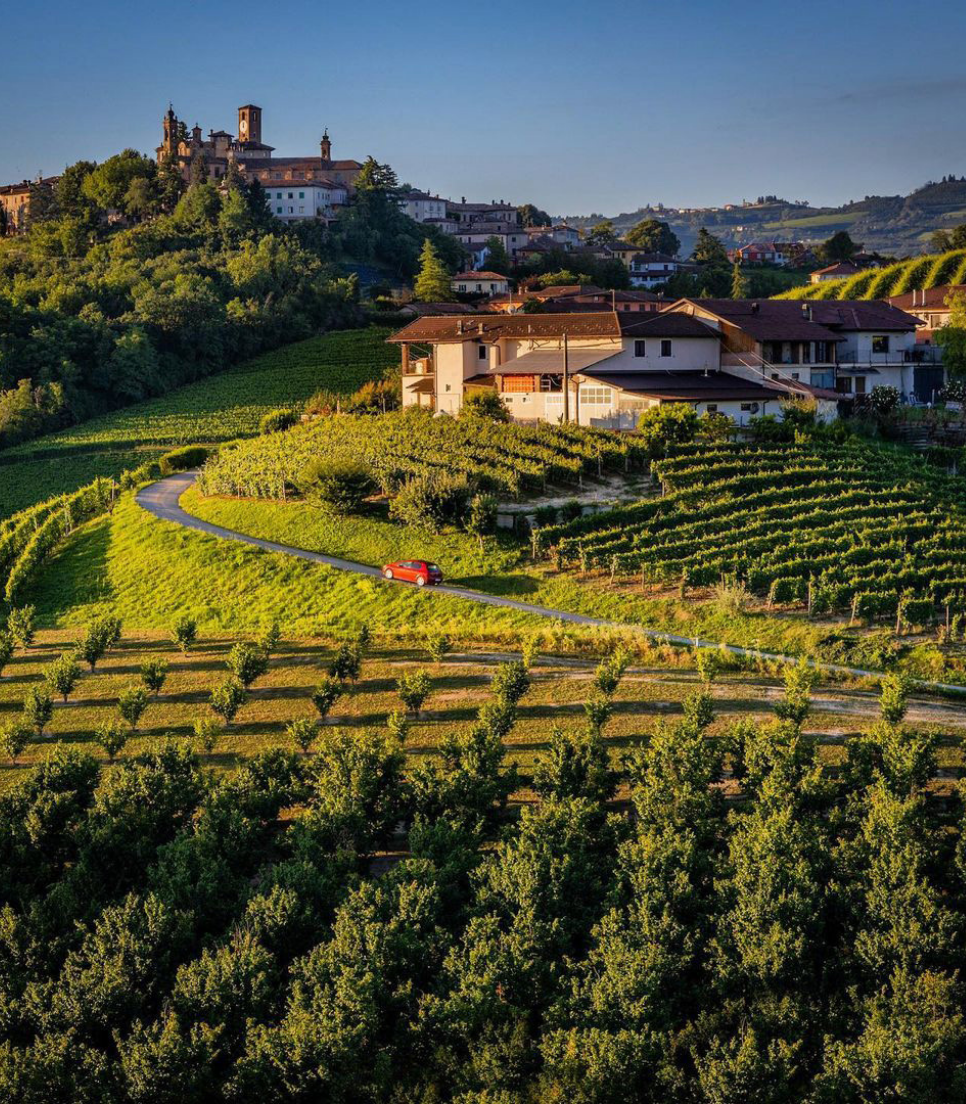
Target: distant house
[560,235]
[422,207]
[930,309]
[306,200]
[768,252]
[651,269]
[480,283]
[841,270]
[513,239]
[468,214]
[15,202]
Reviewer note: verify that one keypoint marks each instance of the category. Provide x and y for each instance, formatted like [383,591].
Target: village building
[841,270]
[423,207]
[932,308]
[480,283]
[15,202]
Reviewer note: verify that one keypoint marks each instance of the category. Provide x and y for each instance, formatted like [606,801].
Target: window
[278,210]
[749,408]
[795,375]
[551,383]
[595,396]
[860,385]
[712,408]
[291,210]
[665,348]
[482,353]
[880,343]
[290,196]
[639,349]
[461,287]
[301,195]
[823,379]
[301,210]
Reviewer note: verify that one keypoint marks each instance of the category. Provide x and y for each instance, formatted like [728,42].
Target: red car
[419,572]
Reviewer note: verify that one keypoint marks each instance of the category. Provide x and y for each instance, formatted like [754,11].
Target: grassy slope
[219,408]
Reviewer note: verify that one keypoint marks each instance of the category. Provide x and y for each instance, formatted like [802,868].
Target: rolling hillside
[916,274]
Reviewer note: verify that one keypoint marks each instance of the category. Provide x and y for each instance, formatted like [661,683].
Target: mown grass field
[649,695]
[219,408]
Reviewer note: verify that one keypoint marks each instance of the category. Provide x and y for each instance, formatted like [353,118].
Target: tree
[670,423]
[952,337]
[131,704]
[62,675]
[839,247]
[97,640]
[740,286]
[346,664]
[270,639]
[654,236]
[20,625]
[235,222]
[326,694]
[708,249]
[112,738]
[184,632]
[375,176]
[337,485]
[481,516]
[433,284]
[497,258]
[302,732]
[893,698]
[109,184]
[575,766]
[510,682]
[198,170]
[603,233]
[207,733]
[414,687]
[142,197]
[154,672]
[227,699]
[7,647]
[533,216]
[38,708]
[485,402]
[247,662]
[437,646]
[14,737]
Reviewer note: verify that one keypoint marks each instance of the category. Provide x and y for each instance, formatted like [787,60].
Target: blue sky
[576,107]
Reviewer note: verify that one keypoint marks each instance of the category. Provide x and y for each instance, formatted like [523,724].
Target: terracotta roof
[931,299]
[688,386]
[557,291]
[493,326]
[478,276]
[804,320]
[292,162]
[840,268]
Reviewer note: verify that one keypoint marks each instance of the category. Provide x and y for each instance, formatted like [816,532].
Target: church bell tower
[250,124]
[326,146]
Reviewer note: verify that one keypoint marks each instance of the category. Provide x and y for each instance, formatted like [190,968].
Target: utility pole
[566,382]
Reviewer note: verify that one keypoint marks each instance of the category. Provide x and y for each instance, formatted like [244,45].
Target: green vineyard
[916,274]
[844,528]
[506,459]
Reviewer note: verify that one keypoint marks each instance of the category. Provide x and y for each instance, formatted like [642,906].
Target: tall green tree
[433,283]
[654,236]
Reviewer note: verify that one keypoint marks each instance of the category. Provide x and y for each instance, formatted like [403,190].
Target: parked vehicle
[420,572]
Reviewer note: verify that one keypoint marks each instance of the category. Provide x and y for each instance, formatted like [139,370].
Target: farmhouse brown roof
[931,299]
[492,327]
[840,268]
[478,276]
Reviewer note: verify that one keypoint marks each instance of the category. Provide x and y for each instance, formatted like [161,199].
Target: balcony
[920,354]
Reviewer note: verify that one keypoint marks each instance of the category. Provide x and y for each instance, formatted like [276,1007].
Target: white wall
[858,347]
[687,354]
[301,200]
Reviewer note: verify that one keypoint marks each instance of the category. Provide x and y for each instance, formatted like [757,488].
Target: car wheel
[388,573]
[420,581]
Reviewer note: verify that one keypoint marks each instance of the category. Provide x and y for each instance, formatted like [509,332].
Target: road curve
[162,500]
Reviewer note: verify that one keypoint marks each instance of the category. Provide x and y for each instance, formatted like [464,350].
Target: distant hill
[897,225]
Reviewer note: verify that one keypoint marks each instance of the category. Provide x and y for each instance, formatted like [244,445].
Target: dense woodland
[792,935]
[128,284]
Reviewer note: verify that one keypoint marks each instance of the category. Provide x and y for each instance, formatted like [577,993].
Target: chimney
[459,326]
[754,307]
[806,312]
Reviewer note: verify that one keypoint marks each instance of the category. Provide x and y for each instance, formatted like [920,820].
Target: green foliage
[112,737]
[132,704]
[485,403]
[154,674]
[207,732]
[432,501]
[414,687]
[101,635]
[510,683]
[893,698]
[14,737]
[326,694]
[38,708]
[303,733]
[20,625]
[277,421]
[183,459]
[338,485]
[62,675]
[184,632]
[227,699]
[433,283]
[654,236]
[346,664]
[247,662]
[670,423]
[438,646]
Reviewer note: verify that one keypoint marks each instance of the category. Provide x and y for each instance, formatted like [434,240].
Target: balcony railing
[921,354]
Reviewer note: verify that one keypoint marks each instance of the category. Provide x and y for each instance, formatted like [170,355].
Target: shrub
[14,737]
[414,687]
[598,712]
[609,673]
[545,515]
[571,510]
[432,501]
[131,704]
[154,672]
[62,675]
[481,516]
[247,662]
[661,426]
[20,625]
[484,403]
[270,638]
[7,648]
[184,632]
[207,732]
[38,708]
[277,421]
[227,699]
[302,732]
[101,635]
[112,738]
[893,697]
[346,663]
[336,485]
[510,682]
[437,645]
[326,694]
[183,459]
[883,400]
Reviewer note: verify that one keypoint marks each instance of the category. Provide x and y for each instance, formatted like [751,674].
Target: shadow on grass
[505,586]
[76,575]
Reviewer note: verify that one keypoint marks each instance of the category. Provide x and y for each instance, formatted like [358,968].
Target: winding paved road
[162,500]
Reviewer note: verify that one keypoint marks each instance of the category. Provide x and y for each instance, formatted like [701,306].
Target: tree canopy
[654,236]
